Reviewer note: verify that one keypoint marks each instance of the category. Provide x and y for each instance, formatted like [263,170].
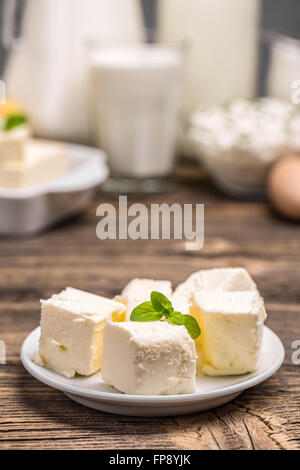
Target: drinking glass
[134,95]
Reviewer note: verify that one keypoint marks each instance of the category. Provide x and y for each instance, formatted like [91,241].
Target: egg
[284,186]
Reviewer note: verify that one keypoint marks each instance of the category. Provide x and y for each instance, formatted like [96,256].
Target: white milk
[134,102]
[221,38]
[48,75]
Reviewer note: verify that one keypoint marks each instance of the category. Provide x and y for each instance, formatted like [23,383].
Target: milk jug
[48,74]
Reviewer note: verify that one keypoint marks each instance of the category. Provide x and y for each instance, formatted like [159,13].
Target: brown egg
[284,186]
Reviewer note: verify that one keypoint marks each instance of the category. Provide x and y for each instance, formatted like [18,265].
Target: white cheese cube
[150,358]
[218,279]
[139,290]
[72,329]
[212,280]
[237,279]
[181,304]
[231,331]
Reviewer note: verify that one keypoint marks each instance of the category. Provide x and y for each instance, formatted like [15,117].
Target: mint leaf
[192,326]
[160,307]
[145,312]
[188,321]
[161,303]
[14,120]
[176,318]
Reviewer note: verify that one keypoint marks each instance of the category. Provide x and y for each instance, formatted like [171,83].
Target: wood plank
[33,416]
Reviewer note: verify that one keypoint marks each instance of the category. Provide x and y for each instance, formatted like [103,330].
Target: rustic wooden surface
[33,416]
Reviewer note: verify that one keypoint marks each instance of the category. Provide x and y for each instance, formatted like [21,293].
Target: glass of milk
[134,94]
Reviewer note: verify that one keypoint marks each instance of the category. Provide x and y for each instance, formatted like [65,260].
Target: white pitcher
[48,74]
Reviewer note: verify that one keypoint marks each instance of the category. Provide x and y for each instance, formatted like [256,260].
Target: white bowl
[239,141]
[210,391]
[236,172]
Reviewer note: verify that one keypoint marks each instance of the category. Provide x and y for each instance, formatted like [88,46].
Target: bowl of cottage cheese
[239,141]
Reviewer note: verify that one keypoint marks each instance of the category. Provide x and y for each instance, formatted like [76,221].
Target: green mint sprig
[160,308]
[14,120]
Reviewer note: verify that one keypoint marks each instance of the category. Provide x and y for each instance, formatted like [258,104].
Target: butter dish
[30,210]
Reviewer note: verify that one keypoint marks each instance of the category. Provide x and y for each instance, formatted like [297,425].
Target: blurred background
[127,95]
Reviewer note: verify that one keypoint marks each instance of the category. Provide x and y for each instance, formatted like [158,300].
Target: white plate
[210,391]
[29,210]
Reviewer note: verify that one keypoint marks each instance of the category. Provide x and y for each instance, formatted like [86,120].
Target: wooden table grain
[248,234]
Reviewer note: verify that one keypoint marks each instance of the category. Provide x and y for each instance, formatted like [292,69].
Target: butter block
[139,290]
[72,331]
[150,358]
[231,330]
[43,161]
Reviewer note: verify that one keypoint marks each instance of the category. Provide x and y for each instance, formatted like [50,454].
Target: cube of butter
[139,290]
[231,330]
[71,331]
[149,358]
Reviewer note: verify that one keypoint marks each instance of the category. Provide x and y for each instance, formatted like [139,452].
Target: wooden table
[33,416]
